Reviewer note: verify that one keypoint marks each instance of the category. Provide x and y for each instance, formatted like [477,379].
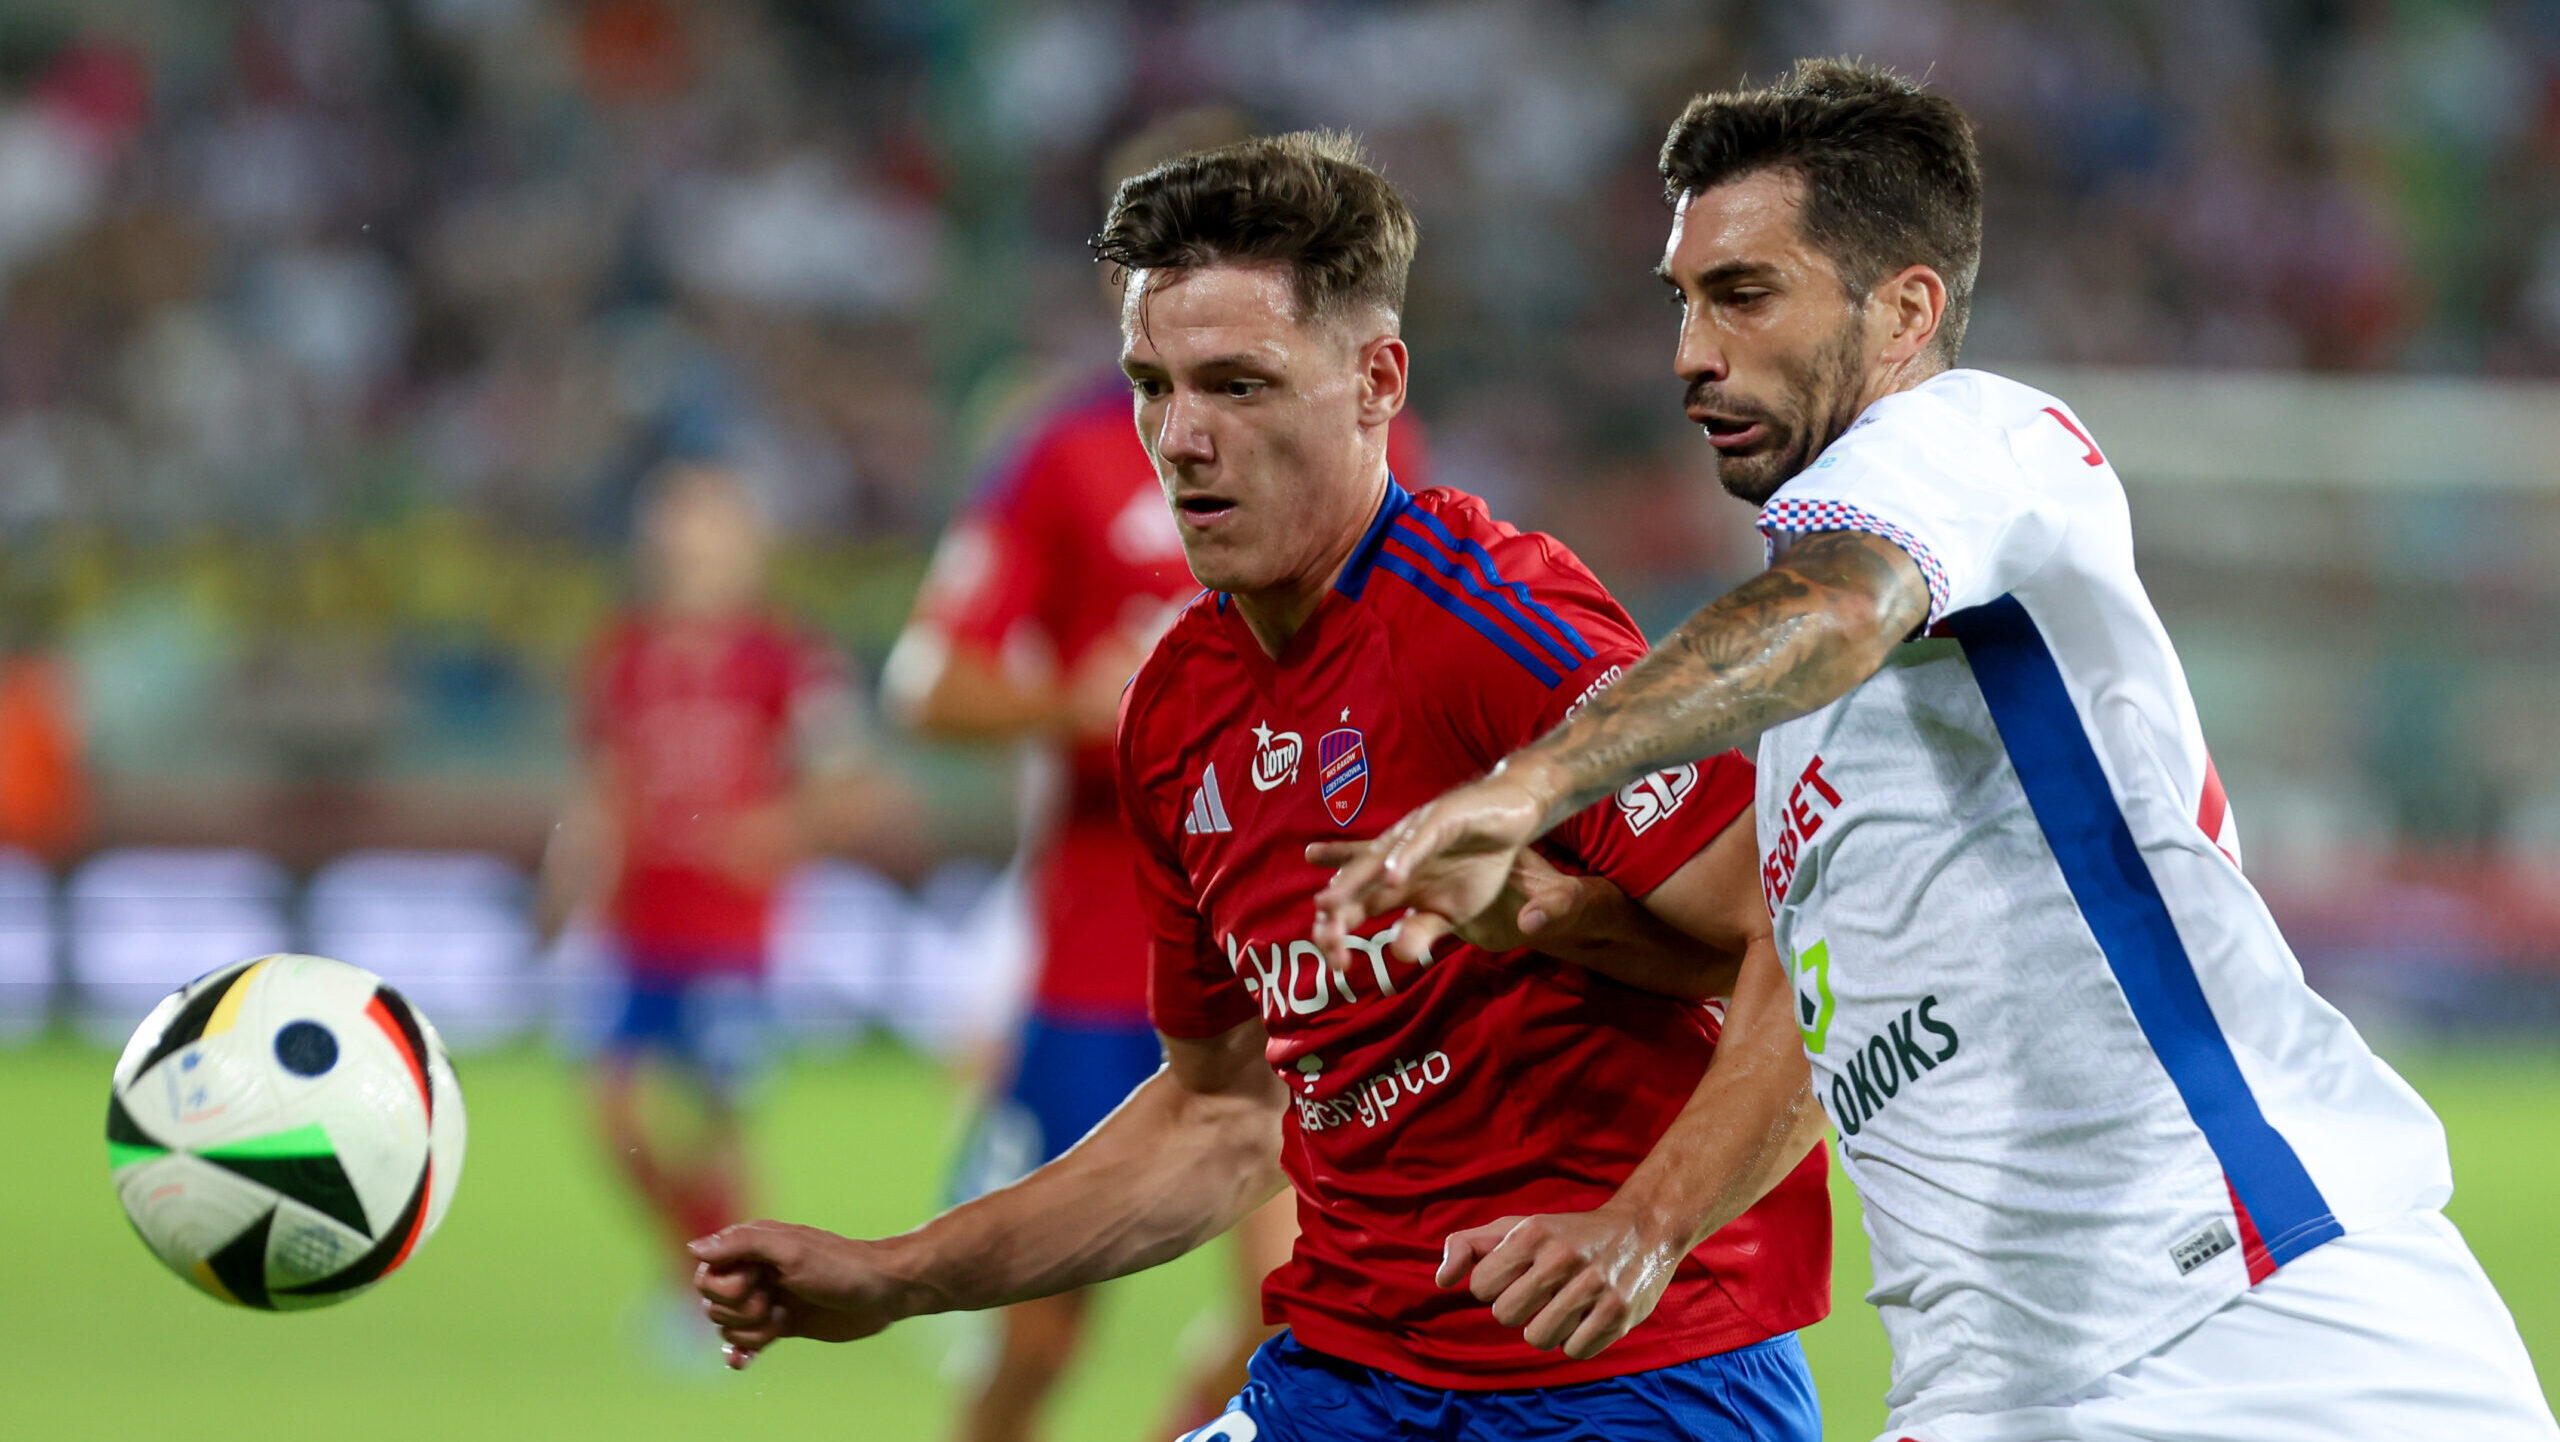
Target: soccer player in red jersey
[1627,1177]
[1045,595]
[713,735]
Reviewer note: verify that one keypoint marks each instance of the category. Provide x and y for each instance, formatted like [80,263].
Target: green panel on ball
[303,1141]
[121,1155]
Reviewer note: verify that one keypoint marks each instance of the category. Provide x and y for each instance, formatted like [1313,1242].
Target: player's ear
[1384,370]
[1913,303]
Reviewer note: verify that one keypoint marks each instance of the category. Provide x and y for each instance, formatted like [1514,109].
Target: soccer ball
[285,1132]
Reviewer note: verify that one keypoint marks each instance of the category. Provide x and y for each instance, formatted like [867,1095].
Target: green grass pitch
[519,1319]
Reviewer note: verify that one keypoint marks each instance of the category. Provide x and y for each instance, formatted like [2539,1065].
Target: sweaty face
[1253,419]
[1774,349]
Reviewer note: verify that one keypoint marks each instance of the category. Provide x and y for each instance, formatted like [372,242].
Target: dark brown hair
[1889,171]
[1308,200]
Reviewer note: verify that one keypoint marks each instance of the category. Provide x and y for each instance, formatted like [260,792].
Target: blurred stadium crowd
[336,336]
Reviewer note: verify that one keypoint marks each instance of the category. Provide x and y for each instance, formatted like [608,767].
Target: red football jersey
[1430,1099]
[1067,541]
[701,725]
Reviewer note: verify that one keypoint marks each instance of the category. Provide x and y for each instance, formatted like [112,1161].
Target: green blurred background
[519,1319]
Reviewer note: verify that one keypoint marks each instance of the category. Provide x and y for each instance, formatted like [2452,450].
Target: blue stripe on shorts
[1760,1393]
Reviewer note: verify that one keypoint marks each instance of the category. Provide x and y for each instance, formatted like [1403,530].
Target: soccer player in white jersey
[2125,1176]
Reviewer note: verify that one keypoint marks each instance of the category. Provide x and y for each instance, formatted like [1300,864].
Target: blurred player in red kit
[718,742]
[1044,598]
[1550,1185]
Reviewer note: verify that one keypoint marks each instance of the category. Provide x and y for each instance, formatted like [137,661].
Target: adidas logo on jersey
[1208,809]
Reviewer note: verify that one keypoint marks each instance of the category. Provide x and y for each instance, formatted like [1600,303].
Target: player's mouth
[1203,510]
[1731,435]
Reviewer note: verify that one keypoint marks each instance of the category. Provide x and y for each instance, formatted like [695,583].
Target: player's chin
[1755,475]
[1219,567]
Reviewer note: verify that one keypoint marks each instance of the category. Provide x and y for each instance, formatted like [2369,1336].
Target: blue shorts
[716,1026]
[1760,1393]
[1067,1076]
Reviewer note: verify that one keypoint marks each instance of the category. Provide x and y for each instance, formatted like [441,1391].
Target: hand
[1538,906]
[763,1281]
[1448,862]
[1579,1280]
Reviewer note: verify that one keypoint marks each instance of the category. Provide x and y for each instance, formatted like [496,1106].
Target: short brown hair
[1309,200]
[1889,170]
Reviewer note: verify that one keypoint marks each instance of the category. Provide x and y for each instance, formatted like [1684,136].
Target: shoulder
[1477,584]
[1073,430]
[1962,418]
[774,654]
[1157,719]
[1196,639]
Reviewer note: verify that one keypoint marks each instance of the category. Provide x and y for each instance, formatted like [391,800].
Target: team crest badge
[1342,773]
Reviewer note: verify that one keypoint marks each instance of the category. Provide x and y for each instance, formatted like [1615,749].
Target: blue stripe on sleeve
[1499,599]
[1483,624]
[2083,824]
[1483,560]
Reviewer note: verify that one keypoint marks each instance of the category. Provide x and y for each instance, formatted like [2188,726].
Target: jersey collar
[1364,557]
[1265,668]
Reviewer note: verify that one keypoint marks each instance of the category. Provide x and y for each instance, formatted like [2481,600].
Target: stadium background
[336,336]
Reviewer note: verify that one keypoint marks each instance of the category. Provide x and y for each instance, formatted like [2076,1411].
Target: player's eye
[1147,387]
[1746,298]
[1241,387]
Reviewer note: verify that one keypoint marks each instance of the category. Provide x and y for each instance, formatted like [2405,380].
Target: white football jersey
[2082,1089]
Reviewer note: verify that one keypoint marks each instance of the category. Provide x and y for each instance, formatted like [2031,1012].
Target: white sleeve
[1933,482]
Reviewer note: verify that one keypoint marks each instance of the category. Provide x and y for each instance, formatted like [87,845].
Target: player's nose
[1182,431]
[1701,356]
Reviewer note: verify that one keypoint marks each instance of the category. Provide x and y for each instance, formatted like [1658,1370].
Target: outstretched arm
[1788,641]
[1190,1152]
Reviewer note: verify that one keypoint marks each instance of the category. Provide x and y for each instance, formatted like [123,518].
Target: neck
[1901,377]
[1275,613]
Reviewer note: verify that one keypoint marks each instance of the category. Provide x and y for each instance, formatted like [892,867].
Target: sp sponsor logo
[1342,773]
[1275,757]
[1648,799]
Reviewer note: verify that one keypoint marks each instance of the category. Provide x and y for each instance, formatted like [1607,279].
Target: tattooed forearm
[1788,641]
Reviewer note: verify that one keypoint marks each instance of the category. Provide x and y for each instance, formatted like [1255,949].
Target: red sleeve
[988,573]
[1192,992]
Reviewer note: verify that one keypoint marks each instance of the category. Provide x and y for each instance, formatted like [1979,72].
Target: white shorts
[2392,1334]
